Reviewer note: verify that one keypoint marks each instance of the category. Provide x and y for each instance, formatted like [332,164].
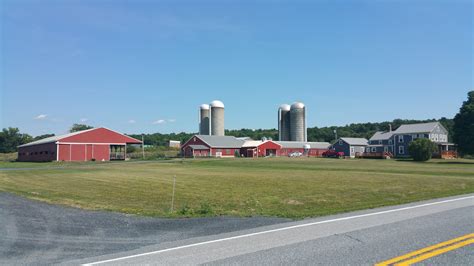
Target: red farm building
[99,144]
[229,146]
[215,146]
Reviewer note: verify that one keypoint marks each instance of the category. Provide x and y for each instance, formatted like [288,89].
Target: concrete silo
[217,118]
[204,119]
[284,122]
[298,122]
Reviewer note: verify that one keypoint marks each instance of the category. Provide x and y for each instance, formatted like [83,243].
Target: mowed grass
[284,187]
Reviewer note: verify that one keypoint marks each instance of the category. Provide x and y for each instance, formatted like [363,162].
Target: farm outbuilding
[229,146]
[99,144]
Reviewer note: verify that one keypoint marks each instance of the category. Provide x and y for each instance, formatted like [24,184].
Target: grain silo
[298,122]
[204,119]
[217,118]
[284,122]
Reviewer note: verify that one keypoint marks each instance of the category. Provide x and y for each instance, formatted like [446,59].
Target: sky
[146,66]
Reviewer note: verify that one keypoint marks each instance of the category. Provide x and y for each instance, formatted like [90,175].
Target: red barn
[215,146]
[99,144]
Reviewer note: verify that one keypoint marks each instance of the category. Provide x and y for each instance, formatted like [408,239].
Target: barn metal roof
[299,145]
[54,138]
[417,128]
[356,141]
[60,137]
[221,141]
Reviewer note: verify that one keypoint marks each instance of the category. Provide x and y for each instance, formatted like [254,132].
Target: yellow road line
[423,250]
[436,253]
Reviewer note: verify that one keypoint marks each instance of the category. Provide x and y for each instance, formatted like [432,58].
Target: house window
[421,136]
[218,150]
[401,150]
[352,149]
[380,142]
[368,149]
[374,149]
[390,142]
[413,136]
[400,139]
[340,142]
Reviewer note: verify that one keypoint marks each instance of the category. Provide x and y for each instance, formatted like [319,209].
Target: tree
[43,136]
[464,126]
[10,138]
[79,127]
[421,149]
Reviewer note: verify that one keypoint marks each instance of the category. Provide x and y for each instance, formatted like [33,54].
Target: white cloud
[84,119]
[131,121]
[160,121]
[41,117]
[171,120]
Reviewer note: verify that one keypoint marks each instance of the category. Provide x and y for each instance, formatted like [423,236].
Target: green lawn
[286,187]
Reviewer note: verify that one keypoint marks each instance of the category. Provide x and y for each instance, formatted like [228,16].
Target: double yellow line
[429,252]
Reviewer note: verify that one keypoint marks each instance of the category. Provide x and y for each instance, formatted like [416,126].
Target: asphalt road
[359,238]
[36,233]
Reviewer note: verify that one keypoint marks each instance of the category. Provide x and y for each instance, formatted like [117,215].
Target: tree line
[461,131]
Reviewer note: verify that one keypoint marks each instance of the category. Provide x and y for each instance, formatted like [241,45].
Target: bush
[421,149]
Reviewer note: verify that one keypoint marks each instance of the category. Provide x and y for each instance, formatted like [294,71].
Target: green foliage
[464,126]
[10,138]
[43,136]
[79,127]
[421,149]
[158,139]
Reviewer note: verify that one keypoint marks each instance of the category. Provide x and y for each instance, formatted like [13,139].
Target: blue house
[351,147]
[396,142]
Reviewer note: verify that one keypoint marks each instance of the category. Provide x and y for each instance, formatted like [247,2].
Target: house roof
[417,128]
[54,139]
[221,141]
[299,145]
[356,141]
[381,135]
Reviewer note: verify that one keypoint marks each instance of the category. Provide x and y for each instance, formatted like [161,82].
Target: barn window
[340,142]
[227,151]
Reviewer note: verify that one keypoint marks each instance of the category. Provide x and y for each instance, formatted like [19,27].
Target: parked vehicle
[295,154]
[333,154]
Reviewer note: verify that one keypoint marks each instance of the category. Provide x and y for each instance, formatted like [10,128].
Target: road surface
[359,238]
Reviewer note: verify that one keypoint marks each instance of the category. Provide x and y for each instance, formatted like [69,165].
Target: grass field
[285,187]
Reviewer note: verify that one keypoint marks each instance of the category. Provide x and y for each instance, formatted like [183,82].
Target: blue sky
[146,66]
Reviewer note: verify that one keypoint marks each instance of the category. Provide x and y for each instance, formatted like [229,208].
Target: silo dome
[204,106]
[217,104]
[297,105]
[285,107]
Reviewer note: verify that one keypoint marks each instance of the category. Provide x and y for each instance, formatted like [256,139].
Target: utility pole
[335,134]
[143,147]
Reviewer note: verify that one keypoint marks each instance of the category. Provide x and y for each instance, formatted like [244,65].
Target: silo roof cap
[297,105]
[285,107]
[217,103]
[204,106]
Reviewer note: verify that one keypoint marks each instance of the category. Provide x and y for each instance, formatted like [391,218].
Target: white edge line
[275,230]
